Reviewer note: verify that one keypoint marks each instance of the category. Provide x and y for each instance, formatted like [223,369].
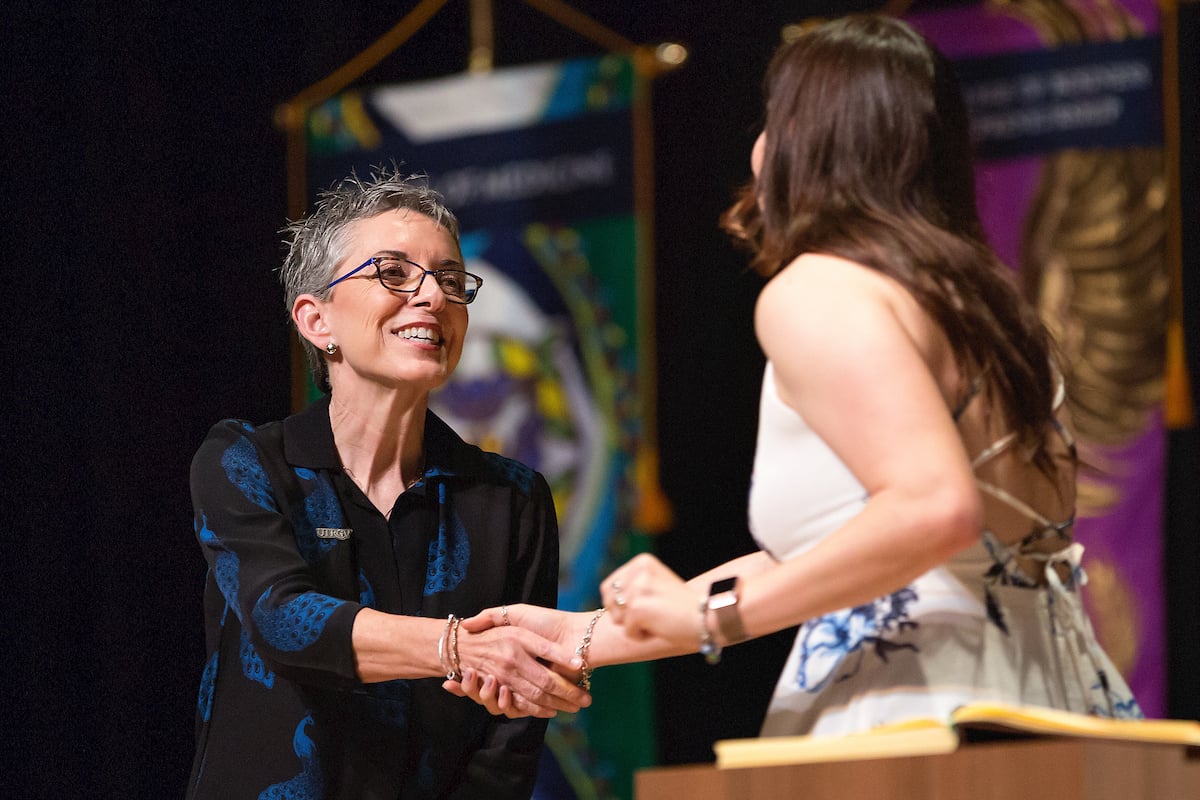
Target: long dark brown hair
[868,158]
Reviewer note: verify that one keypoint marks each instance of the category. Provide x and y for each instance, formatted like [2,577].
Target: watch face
[723,585]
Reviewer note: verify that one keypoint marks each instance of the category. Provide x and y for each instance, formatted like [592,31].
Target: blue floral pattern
[1121,709]
[827,642]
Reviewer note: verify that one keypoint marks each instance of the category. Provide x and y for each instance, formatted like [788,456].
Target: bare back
[1025,507]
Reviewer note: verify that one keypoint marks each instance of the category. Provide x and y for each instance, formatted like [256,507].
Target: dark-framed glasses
[401,275]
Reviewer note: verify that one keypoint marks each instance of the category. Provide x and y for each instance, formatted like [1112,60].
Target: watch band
[723,601]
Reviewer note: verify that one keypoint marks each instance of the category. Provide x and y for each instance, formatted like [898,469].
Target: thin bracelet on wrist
[442,646]
[708,645]
[448,649]
[585,679]
[455,670]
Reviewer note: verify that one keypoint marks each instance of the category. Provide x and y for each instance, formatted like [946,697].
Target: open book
[969,723]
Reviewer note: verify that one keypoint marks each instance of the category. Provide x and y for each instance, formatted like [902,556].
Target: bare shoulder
[817,296]
[824,310]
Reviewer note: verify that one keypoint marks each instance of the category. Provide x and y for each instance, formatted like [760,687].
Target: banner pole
[1178,408]
[483,37]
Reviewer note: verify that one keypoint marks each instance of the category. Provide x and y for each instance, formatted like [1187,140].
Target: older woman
[345,542]
[914,478]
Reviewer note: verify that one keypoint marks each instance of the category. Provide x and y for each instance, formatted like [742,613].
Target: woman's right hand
[549,623]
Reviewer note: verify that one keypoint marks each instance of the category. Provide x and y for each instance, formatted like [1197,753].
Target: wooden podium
[1030,769]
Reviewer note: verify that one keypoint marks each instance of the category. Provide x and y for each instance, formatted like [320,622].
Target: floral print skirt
[944,641]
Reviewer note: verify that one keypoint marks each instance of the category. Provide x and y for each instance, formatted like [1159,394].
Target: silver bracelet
[708,645]
[448,669]
[585,678]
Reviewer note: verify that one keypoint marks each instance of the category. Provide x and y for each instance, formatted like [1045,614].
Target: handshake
[530,661]
[515,661]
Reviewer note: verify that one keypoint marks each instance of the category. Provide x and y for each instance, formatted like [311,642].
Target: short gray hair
[318,243]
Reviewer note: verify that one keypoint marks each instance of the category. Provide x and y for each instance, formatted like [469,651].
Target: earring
[331,348]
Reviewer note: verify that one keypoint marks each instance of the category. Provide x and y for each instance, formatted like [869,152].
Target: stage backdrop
[538,162]
[1065,105]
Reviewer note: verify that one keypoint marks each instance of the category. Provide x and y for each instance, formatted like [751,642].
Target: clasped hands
[650,613]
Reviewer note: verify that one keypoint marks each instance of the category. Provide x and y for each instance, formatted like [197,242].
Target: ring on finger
[504,615]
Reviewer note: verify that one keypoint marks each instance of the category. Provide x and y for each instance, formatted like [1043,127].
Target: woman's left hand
[649,600]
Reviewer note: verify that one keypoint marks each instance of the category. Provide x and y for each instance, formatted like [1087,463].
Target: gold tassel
[1178,401]
[653,513]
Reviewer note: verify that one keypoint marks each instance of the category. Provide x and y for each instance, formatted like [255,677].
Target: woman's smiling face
[389,337]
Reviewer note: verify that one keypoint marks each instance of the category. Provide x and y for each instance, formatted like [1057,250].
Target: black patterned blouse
[294,550]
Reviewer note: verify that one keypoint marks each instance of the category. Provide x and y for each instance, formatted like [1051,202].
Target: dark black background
[144,186]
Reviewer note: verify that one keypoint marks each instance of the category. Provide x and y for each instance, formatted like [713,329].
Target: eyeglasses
[402,275]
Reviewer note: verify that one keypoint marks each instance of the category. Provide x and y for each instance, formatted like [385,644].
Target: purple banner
[1061,127]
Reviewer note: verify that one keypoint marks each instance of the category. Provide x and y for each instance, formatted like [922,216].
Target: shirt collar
[308,442]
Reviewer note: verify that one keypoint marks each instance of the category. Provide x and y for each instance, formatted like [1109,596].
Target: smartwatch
[722,601]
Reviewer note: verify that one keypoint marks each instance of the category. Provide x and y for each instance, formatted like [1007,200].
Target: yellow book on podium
[928,736]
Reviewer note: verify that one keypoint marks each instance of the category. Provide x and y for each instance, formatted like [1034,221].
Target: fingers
[472,686]
[487,695]
[630,583]
[572,672]
[555,653]
[488,618]
[516,706]
[518,658]
[498,700]
[507,699]
[567,690]
[514,664]
[549,689]
[648,600]
[543,624]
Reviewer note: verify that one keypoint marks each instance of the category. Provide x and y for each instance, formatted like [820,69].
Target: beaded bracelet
[585,678]
[708,645]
